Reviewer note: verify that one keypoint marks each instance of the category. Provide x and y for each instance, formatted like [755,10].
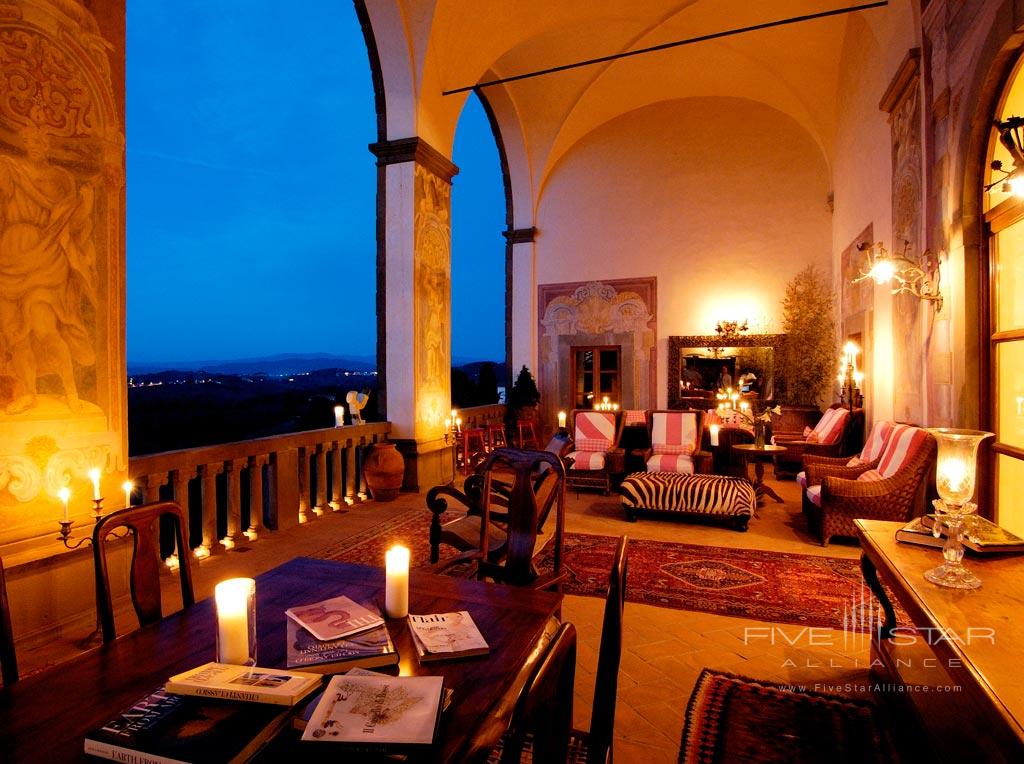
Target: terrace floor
[664,650]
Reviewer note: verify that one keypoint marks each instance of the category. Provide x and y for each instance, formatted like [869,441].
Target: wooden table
[972,639]
[46,717]
[748,452]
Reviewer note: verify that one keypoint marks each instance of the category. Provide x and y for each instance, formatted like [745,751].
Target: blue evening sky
[251,193]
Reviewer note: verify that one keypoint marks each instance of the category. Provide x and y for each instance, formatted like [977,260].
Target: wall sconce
[1011,181]
[920,279]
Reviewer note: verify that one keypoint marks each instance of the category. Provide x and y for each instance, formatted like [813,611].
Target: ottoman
[708,496]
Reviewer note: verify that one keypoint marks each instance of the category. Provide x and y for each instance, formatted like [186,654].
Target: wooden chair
[595,746]
[8,658]
[507,554]
[596,454]
[144,523]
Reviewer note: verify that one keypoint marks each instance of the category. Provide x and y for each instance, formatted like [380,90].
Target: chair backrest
[8,658]
[830,427]
[902,448]
[602,720]
[634,418]
[528,503]
[595,431]
[544,706]
[675,432]
[877,439]
[144,575]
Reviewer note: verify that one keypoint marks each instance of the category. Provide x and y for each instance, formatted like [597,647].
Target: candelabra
[850,378]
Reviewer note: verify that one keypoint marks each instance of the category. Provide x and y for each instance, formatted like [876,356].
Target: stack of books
[980,536]
[337,635]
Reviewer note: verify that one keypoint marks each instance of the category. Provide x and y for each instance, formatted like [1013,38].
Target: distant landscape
[186,404]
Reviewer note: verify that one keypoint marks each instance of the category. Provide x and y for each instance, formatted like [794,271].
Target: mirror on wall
[699,365]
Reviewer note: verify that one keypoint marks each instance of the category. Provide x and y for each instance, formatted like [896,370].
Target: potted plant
[523,397]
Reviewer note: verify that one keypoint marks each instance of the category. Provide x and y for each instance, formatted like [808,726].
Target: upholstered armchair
[826,438]
[896,489]
[596,454]
[675,443]
[817,466]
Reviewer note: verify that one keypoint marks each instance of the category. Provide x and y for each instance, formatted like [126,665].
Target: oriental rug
[804,589]
[791,725]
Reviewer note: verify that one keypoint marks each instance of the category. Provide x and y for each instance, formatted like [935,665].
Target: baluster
[336,487]
[321,479]
[363,451]
[208,475]
[232,469]
[151,485]
[304,513]
[255,496]
[179,487]
[351,482]
[284,480]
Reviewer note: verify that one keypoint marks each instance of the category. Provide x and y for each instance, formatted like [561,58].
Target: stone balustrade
[236,491]
[481,416]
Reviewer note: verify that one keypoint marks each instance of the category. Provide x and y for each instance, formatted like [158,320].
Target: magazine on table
[368,649]
[367,711]
[335,618]
[442,636]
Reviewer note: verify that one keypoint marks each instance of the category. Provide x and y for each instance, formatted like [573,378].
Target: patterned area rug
[731,718]
[778,587]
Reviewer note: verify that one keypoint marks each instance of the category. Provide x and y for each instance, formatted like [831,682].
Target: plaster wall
[722,200]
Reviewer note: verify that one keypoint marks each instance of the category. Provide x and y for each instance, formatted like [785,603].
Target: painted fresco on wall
[62,392]
[904,108]
[432,304]
[615,312]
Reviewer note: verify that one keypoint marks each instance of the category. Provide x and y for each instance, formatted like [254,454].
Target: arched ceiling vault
[453,43]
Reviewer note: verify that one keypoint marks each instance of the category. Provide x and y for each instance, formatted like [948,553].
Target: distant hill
[284,363]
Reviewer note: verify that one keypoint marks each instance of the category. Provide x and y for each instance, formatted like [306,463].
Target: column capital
[414,150]
[520,235]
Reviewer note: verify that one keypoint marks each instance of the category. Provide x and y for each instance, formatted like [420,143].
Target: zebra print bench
[732,499]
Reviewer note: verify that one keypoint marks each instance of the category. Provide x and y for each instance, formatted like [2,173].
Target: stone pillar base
[427,463]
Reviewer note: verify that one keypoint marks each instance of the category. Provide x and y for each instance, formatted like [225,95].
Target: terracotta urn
[384,470]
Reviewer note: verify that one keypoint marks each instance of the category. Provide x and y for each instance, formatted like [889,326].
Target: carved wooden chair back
[8,658]
[144,574]
[602,720]
[529,502]
[544,707]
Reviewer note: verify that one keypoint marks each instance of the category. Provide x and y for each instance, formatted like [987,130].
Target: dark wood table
[748,453]
[959,666]
[46,717]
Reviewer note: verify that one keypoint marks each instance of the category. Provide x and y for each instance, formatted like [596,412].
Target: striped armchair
[596,455]
[894,489]
[817,466]
[675,443]
[826,438]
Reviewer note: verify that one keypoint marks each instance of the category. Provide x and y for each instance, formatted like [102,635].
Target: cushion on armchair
[902,446]
[587,460]
[682,463]
[596,429]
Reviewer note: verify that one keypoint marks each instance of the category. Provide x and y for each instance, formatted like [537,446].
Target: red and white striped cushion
[903,445]
[664,448]
[675,428]
[712,417]
[634,416]
[814,494]
[587,460]
[870,476]
[876,441]
[855,461]
[593,444]
[595,426]
[670,463]
[801,478]
[830,427]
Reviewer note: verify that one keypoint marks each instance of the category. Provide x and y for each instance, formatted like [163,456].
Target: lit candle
[561,419]
[65,495]
[604,400]
[458,424]
[455,414]
[234,604]
[714,434]
[127,486]
[94,476]
[447,424]
[744,406]
[396,582]
[339,416]
[615,407]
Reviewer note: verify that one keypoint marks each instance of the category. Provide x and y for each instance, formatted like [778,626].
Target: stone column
[520,300]
[414,301]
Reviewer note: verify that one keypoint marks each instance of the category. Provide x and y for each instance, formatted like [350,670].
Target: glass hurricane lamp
[955,471]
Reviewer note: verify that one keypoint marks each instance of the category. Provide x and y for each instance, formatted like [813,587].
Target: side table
[748,452]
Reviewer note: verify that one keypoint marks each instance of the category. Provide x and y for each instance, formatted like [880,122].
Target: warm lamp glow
[1016,186]
[127,486]
[882,271]
[65,495]
[94,476]
[561,419]
[714,433]
[235,609]
[396,582]
[956,464]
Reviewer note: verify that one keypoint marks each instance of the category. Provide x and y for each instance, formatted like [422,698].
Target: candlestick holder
[97,514]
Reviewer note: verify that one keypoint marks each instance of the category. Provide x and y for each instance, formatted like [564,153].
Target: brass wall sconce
[730,329]
[919,278]
[1010,135]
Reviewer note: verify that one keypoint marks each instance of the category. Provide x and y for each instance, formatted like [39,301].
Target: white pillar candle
[127,486]
[714,433]
[339,416]
[561,419]
[396,582]
[94,476]
[234,608]
[65,495]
